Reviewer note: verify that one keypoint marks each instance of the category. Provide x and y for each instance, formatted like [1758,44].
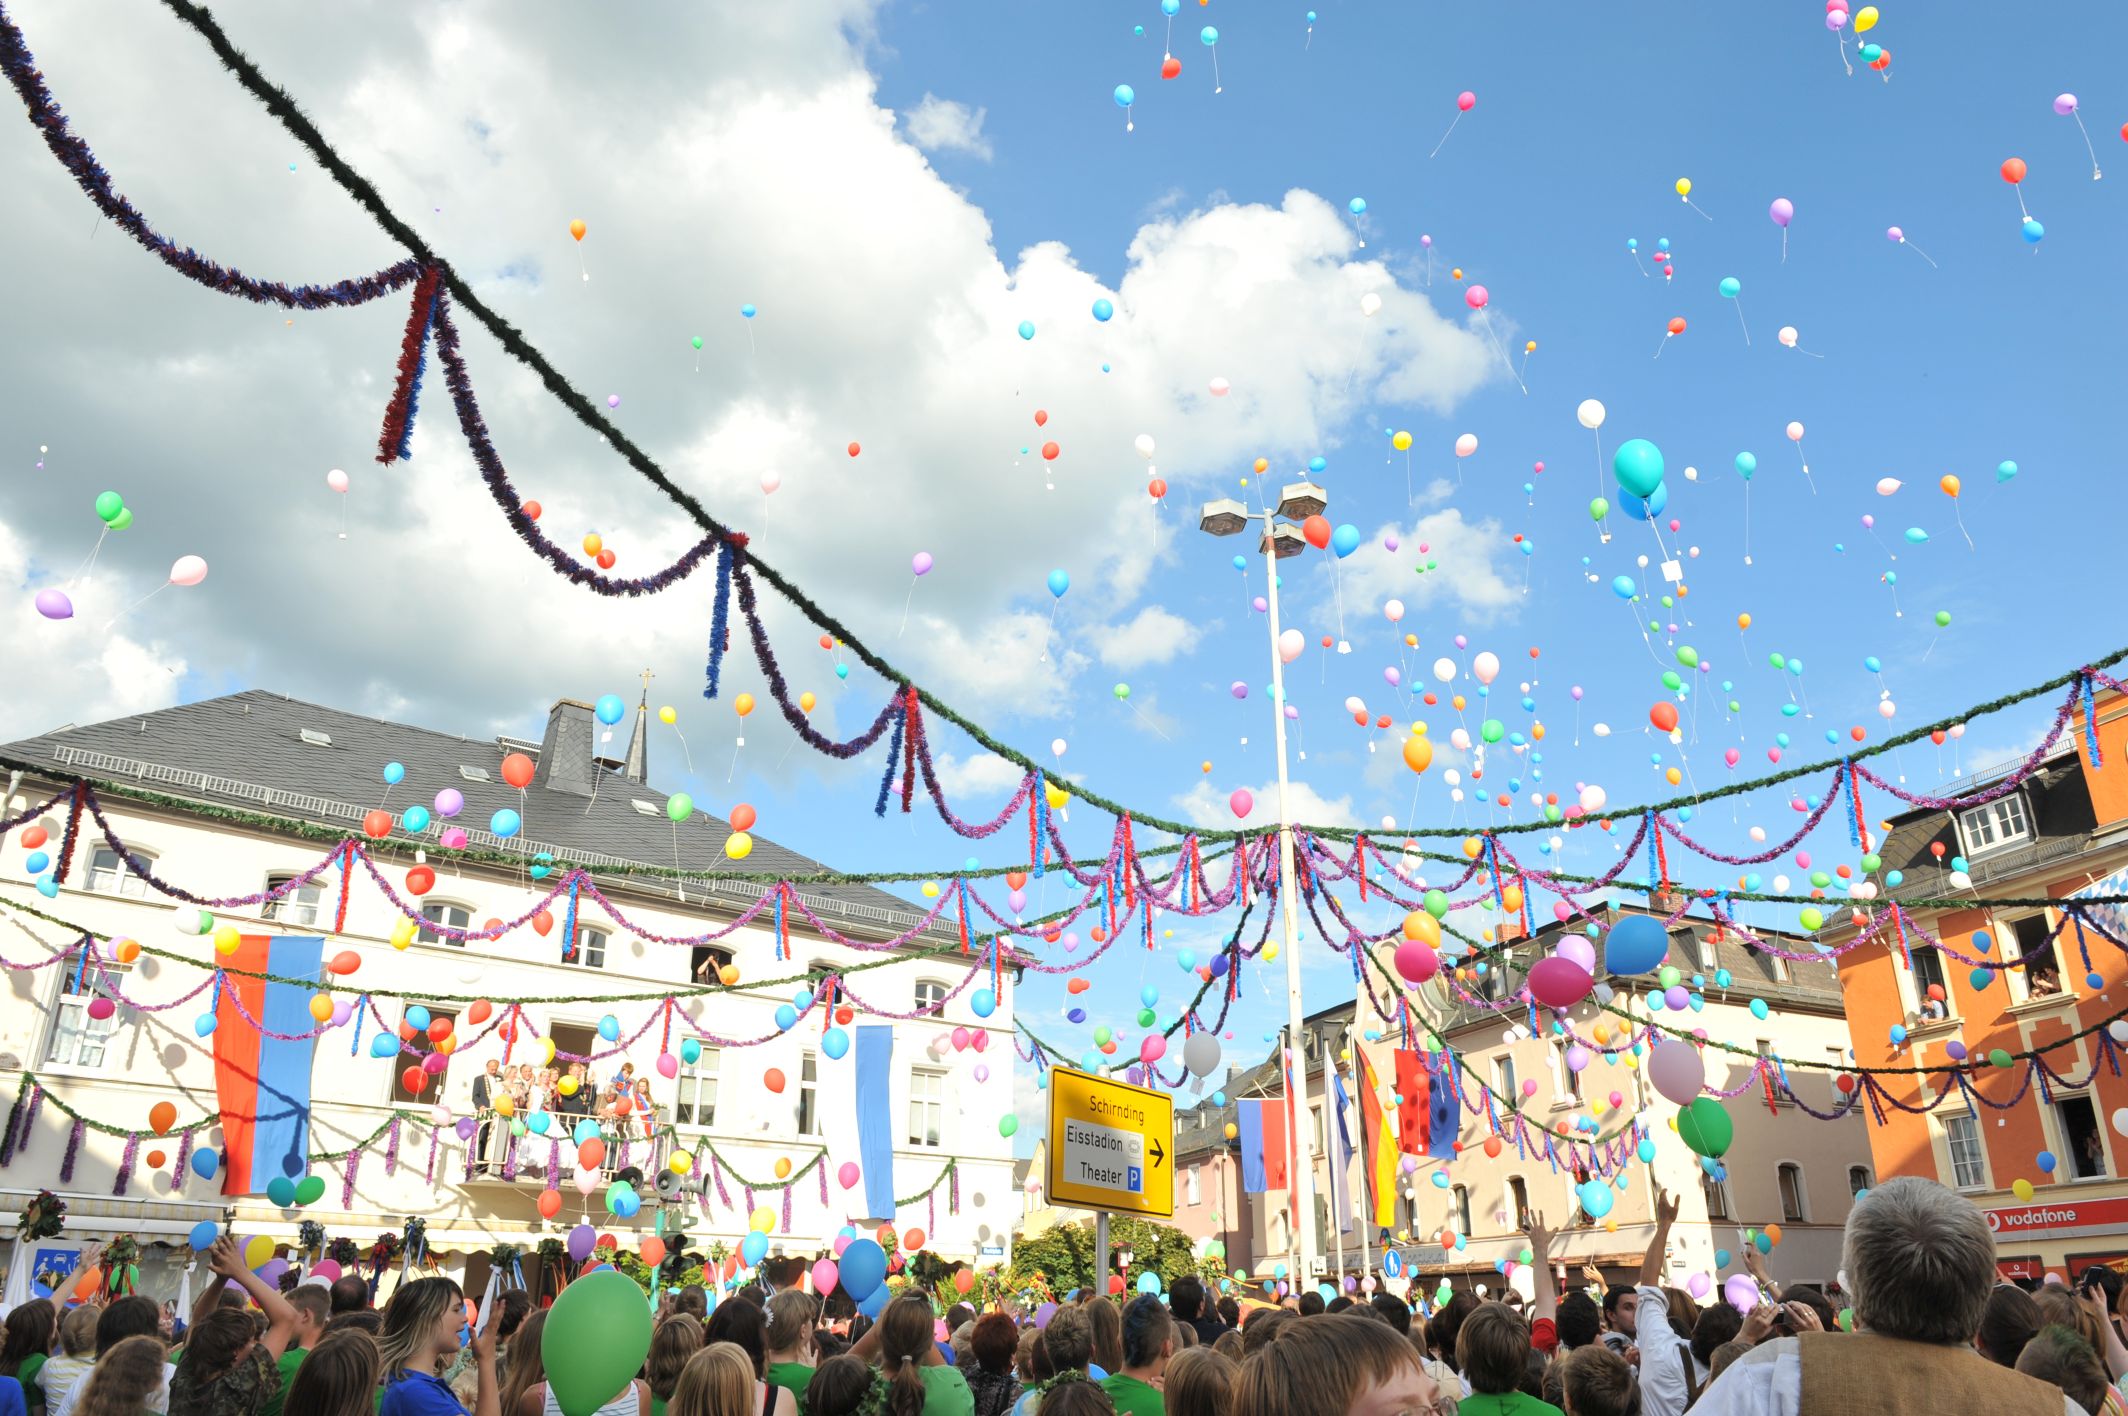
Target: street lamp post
[1227,517]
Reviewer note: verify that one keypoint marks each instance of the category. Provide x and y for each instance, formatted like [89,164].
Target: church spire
[637,766]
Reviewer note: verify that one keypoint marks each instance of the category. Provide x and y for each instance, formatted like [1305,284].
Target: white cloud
[985,773]
[1206,804]
[84,669]
[1154,636]
[942,125]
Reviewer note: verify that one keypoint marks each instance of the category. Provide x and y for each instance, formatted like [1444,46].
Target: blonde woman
[719,1381]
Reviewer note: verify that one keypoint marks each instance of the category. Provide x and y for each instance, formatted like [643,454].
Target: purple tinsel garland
[81,164]
[29,1119]
[435,1135]
[73,1150]
[347,1180]
[391,1147]
[179,1171]
[554,1163]
[126,1159]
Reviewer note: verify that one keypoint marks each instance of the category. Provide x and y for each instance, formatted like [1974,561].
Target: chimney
[565,752]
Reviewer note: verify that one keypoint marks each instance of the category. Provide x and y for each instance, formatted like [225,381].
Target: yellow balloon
[1055,795]
[2021,1188]
[763,1219]
[738,845]
[402,932]
[783,1168]
[321,1006]
[226,939]
[1511,899]
[546,1049]
[257,1251]
[1423,928]
[1865,19]
[504,1106]
[806,702]
[681,1162]
[1401,442]
[1418,753]
[930,889]
[1530,347]
[566,1086]
[1472,847]
[667,716]
[448,1045]
[1232,1130]
[1271,951]
[1684,187]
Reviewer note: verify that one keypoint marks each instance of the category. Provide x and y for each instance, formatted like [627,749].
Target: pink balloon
[1576,947]
[188,570]
[921,562]
[1675,1069]
[1465,101]
[1151,1049]
[825,1276]
[337,480]
[1241,803]
[327,1269]
[1782,211]
[1559,982]
[668,1065]
[1476,296]
[586,1181]
[1416,961]
[453,838]
[1893,233]
[982,1042]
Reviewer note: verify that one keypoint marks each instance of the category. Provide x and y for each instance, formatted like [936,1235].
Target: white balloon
[1290,645]
[1788,335]
[1219,388]
[1886,708]
[1452,777]
[1460,740]
[1144,443]
[1445,670]
[1466,444]
[1486,666]
[770,481]
[1057,746]
[1355,705]
[1795,432]
[1370,304]
[1887,485]
[1601,730]
[1593,797]
[2120,1121]
[1590,413]
[1393,610]
[337,480]
[188,570]
[1780,884]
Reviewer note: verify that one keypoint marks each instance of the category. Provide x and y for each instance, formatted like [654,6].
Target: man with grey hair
[1920,1263]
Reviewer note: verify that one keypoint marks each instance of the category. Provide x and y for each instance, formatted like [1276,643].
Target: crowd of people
[1928,1330]
[621,1103]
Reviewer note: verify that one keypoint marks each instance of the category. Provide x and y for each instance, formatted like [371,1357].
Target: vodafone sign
[2107,1216]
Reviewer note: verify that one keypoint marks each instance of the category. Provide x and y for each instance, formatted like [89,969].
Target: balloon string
[906,601]
[94,551]
[1217,87]
[1921,253]
[1740,323]
[2078,115]
[1495,335]
[1747,529]
[1444,137]
[1696,207]
[136,604]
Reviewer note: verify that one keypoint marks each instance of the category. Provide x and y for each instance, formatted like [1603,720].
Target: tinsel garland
[720,618]
[73,1151]
[126,1160]
[347,1179]
[71,836]
[395,441]
[14,1121]
[435,1136]
[179,1169]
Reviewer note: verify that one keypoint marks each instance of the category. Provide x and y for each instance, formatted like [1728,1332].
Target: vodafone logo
[2014,1220]
[2106,1215]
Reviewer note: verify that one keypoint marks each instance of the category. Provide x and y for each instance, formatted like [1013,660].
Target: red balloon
[33,837]
[1677,324]
[346,962]
[743,817]
[414,1079]
[606,559]
[773,1080]
[1170,66]
[550,1203]
[532,510]
[1050,451]
[543,924]
[1041,417]
[2013,171]
[517,770]
[377,824]
[591,1153]
[855,449]
[1157,488]
[439,1029]
[421,879]
[1317,530]
[480,1012]
[1664,717]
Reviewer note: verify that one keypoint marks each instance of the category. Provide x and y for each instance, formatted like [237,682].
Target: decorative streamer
[394,442]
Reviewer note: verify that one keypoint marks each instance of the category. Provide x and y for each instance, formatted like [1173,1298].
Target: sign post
[1109,1149]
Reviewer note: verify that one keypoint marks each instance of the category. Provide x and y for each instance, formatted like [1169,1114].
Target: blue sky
[1585,117]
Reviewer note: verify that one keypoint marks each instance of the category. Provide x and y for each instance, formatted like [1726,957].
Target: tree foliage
[1063,1257]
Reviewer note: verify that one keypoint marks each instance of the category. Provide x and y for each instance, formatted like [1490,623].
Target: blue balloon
[609,1028]
[1317,464]
[610,709]
[1631,244]
[205,1164]
[1731,287]
[1075,1016]
[1210,35]
[862,1268]
[2004,471]
[2045,1161]
[1662,243]
[1103,311]
[1636,944]
[203,1235]
[417,1017]
[48,887]
[786,1017]
[1026,329]
[1148,1282]
[505,823]
[835,1043]
[754,1247]
[415,819]
[1640,509]
[1125,95]
[38,863]
[1169,7]
[2034,232]
[1623,587]
[873,1306]
[1345,540]
[394,774]
[1638,466]
[1746,464]
[984,1002]
[1358,206]
[1721,1258]
[1059,582]
[747,312]
[383,1045]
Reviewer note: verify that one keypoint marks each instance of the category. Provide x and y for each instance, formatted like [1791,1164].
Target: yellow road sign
[1110,1145]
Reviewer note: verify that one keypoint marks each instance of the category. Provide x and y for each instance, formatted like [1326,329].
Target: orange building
[2061,832]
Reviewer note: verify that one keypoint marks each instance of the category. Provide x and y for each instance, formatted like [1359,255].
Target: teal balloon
[690,1050]
[1103,311]
[415,819]
[2004,471]
[1026,329]
[1059,582]
[1638,466]
[394,774]
[540,1122]
[1148,1282]
[609,1028]
[505,823]
[835,1043]
[1596,1198]
[1915,535]
[610,709]
[1209,36]
[1746,464]
[1731,287]
[1623,587]
[597,1335]
[281,1191]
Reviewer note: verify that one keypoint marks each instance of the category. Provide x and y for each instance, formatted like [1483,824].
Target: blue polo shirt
[418,1394]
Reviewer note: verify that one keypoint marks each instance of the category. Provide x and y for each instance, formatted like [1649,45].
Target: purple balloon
[1043,1314]
[466,1126]
[1782,211]
[1742,1291]
[921,562]
[1238,689]
[449,802]
[54,605]
[2065,104]
[1893,233]
[582,1240]
[1389,543]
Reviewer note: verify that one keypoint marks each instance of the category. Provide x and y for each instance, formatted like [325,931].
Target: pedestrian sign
[1109,1145]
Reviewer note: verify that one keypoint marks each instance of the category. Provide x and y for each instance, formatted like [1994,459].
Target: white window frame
[431,1091]
[1566,1082]
[1867,1180]
[290,910]
[808,1108]
[693,1079]
[1459,1207]
[1192,1188]
[586,948]
[1917,987]
[425,935]
[1976,1142]
[117,878]
[927,1104]
[930,993]
[2008,947]
[1781,1171]
[2068,1166]
[74,1029]
[1515,1204]
[1715,1195]
[1994,826]
[1505,1083]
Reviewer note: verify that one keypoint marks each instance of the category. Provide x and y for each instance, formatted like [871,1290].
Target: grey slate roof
[247,749]
[2057,802]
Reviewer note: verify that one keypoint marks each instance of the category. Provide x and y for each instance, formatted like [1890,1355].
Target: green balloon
[598,1333]
[1688,656]
[697,341]
[1599,509]
[1437,903]
[1102,1034]
[1146,1018]
[1008,1124]
[109,504]
[1703,1126]
[1871,864]
[310,1189]
[1811,919]
[1492,730]
[1671,681]
[1779,661]
[121,521]
[1122,690]
[1943,619]
[1999,1058]
[1638,466]
[679,806]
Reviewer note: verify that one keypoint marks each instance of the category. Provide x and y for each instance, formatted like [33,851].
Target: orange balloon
[1050,451]
[653,1249]
[1156,489]
[155,1160]
[517,770]
[773,1080]
[91,1280]
[126,950]
[161,1117]
[532,510]
[1677,324]
[1041,417]
[591,1154]
[912,1240]
[1423,928]
[743,704]
[550,1203]
[1950,486]
[1418,753]
[576,229]
[742,817]
[1743,621]
[2013,170]
[855,449]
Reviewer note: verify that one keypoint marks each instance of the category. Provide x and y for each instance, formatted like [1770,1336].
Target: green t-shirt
[27,1375]
[290,1360]
[1133,1397]
[946,1392]
[793,1377]
[1513,1403]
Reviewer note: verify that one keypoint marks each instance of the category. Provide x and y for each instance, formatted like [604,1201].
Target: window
[1517,1201]
[1566,1082]
[1857,1179]
[109,874]
[1791,1178]
[930,995]
[809,1095]
[1192,1191]
[1459,1200]
[1992,827]
[1928,974]
[927,1106]
[696,1102]
[1504,1080]
[2080,1133]
[707,961]
[1770,1075]
[79,1040]
[298,906]
[2032,940]
[1315,1120]
[450,917]
[1706,951]
[590,950]
[431,1090]
[1969,1167]
[1717,1193]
